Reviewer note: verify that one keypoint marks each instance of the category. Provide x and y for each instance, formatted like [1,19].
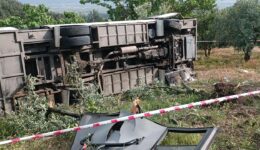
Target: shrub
[31,116]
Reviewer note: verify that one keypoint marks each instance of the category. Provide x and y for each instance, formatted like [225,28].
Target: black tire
[69,42]
[74,30]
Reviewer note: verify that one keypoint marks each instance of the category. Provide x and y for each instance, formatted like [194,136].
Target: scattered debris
[224,88]
[243,71]
[135,109]
[226,79]
[186,74]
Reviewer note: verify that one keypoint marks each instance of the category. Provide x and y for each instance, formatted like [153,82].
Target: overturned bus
[117,55]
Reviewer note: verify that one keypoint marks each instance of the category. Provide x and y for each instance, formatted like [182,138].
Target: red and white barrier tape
[131,117]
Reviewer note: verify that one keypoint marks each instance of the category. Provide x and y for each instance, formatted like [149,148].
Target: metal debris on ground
[135,134]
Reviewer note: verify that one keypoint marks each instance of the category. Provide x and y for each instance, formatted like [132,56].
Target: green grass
[181,139]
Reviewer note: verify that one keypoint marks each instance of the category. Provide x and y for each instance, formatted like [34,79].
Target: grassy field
[238,121]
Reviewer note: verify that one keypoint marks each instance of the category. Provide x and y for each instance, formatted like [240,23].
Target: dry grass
[229,74]
[227,63]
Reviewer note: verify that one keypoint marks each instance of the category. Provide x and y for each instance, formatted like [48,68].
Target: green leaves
[36,16]
[13,21]
[71,17]
[94,16]
[239,26]
[10,8]
[88,96]
[134,9]
[31,117]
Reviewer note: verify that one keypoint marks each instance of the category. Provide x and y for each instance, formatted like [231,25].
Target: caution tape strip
[131,117]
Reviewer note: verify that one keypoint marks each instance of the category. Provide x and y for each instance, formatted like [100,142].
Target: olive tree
[70,17]
[134,9]
[10,8]
[94,16]
[35,16]
[118,9]
[239,26]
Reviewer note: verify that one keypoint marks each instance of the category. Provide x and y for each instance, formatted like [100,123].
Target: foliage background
[15,14]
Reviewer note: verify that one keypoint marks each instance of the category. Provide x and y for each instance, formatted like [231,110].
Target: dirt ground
[228,64]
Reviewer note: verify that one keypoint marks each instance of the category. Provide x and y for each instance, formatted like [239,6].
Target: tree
[130,9]
[10,8]
[240,26]
[36,16]
[13,21]
[118,9]
[71,17]
[206,32]
[187,8]
[94,16]
[205,13]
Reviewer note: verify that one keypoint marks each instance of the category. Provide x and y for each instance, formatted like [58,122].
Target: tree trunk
[209,52]
[247,56]
[206,53]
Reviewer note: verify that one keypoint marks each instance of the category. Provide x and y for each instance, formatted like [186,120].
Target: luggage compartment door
[118,82]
